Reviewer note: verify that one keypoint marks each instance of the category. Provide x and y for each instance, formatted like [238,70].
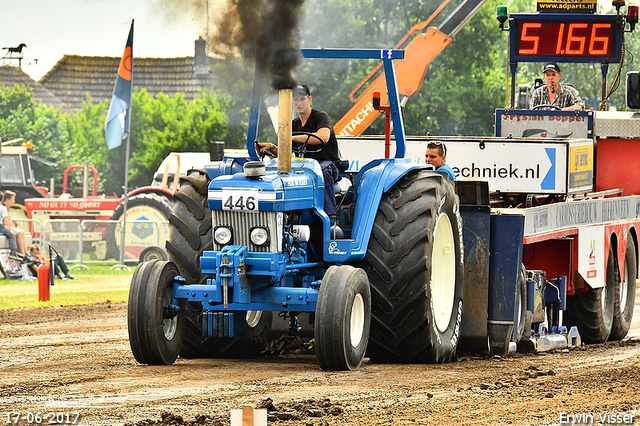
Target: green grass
[97,284]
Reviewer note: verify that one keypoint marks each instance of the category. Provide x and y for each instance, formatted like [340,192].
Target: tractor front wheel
[155,329]
[343,318]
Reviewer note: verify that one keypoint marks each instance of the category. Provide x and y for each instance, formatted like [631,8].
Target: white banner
[554,217]
[509,165]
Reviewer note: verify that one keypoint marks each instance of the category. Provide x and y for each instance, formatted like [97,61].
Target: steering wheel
[302,149]
[555,107]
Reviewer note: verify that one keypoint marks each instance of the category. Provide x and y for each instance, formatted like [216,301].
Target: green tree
[167,124]
[44,126]
[87,146]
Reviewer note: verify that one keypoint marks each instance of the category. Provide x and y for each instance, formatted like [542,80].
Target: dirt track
[77,360]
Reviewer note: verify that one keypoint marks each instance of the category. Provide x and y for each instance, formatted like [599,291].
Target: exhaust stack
[285,106]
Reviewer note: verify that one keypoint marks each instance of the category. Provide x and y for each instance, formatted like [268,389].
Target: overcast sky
[54,28]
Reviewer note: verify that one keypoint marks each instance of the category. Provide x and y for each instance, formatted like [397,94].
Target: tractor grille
[241,224]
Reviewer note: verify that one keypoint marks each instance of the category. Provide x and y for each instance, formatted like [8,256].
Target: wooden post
[285,106]
[248,416]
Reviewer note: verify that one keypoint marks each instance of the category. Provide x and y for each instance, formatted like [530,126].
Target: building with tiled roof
[75,76]
[11,76]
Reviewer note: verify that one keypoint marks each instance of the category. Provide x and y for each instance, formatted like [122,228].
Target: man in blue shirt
[437,155]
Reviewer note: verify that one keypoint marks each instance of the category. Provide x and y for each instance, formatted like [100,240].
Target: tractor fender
[166,192]
[374,179]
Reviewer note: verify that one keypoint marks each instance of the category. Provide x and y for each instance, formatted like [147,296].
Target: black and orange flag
[118,123]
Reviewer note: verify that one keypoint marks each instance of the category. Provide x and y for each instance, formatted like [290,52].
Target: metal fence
[84,242]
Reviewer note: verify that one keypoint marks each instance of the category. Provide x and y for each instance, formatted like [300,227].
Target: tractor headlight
[259,236]
[222,235]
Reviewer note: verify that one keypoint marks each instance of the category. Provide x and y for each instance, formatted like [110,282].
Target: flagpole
[126,200]
[123,229]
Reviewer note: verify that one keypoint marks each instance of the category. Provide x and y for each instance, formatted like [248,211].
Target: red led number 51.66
[566,39]
[559,38]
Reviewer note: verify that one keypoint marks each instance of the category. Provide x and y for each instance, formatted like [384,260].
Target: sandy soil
[66,360]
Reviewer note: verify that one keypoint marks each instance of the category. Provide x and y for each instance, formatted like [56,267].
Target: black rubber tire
[399,266]
[588,310]
[625,294]
[190,231]
[158,202]
[343,318]
[190,235]
[154,340]
[152,253]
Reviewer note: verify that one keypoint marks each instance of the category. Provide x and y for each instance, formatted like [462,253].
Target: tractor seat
[343,184]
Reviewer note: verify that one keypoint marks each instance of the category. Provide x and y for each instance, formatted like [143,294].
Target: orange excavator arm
[411,70]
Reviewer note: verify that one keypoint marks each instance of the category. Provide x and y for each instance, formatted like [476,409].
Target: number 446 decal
[240,200]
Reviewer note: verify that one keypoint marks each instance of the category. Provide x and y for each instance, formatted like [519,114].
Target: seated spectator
[8,228]
[34,259]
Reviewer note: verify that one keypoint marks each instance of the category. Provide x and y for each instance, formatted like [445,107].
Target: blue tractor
[249,238]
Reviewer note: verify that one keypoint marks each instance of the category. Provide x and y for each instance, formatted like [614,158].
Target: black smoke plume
[268,29]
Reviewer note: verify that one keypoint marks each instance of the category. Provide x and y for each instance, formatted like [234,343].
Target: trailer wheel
[189,236]
[342,318]
[414,264]
[155,331]
[592,311]
[625,294]
[151,206]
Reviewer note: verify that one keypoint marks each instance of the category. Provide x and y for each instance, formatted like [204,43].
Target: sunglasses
[436,144]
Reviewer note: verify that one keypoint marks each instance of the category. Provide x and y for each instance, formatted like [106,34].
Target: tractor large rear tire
[155,336]
[190,231]
[592,311]
[414,264]
[190,235]
[625,294]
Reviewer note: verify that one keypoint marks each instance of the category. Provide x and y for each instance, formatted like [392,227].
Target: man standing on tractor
[317,122]
[554,94]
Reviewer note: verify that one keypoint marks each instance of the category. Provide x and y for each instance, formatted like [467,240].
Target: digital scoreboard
[565,37]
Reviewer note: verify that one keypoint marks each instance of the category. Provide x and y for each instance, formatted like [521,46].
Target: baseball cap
[302,89]
[551,66]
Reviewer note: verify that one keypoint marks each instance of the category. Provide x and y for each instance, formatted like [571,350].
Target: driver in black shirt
[317,122]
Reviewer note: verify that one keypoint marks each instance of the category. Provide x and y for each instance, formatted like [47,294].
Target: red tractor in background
[81,220]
